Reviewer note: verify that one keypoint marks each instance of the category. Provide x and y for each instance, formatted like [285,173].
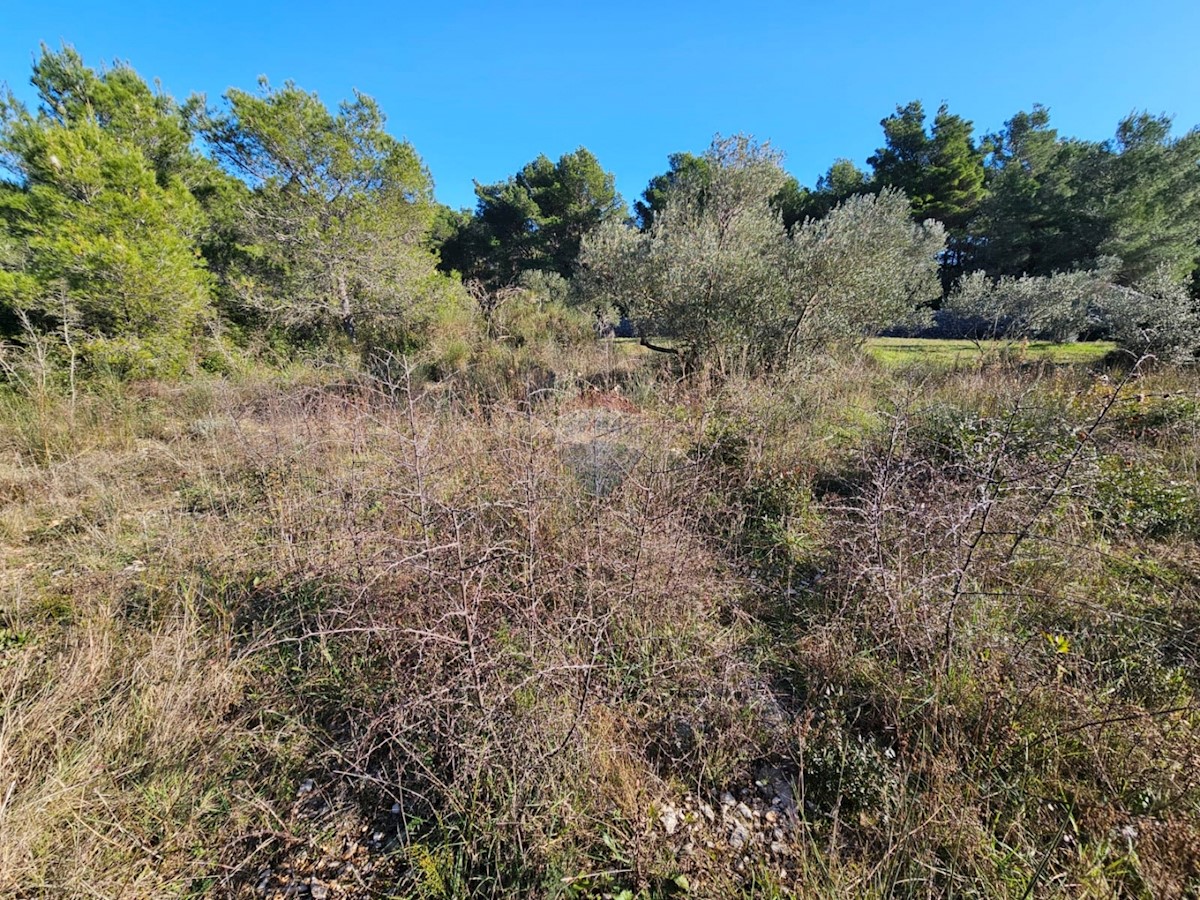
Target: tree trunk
[344,302]
[645,342]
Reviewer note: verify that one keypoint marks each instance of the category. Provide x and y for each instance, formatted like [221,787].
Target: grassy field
[936,352]
[562,624]
[928,351]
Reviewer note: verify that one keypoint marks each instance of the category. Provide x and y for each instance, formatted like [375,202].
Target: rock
[727,799]
[739,837]
[318,890]
[306,787]
[670,820]
[778,849]
[774,787]
[707,812]
[744,811]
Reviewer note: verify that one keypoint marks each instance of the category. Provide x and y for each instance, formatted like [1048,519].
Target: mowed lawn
[906,351]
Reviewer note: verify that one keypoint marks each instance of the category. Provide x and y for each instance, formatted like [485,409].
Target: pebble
[318,890]
[727,799]
[744,811]
[707,812]
[739,837]
[670,820]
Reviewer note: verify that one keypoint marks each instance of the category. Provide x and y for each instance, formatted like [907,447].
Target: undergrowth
[540,622]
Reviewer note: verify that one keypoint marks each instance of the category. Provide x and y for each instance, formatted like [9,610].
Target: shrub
[1143,498]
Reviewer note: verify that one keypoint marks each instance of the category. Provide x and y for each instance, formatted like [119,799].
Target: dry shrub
[472,636]
[972,663]
[491,608]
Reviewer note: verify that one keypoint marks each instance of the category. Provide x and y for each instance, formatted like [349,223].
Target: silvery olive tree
[1156,317]
[864,267]
[1058,307]
[719,277]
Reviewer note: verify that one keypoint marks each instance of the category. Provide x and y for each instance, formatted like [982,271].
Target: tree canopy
[719,274]
[147,225]
[338,212]
[96,234]
[532,221]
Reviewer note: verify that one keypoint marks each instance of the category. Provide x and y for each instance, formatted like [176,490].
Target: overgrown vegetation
[402,638]
[327,573]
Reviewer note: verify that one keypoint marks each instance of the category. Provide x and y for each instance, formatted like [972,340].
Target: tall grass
[553,622]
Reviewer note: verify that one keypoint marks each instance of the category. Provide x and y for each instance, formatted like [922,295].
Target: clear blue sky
[482,88]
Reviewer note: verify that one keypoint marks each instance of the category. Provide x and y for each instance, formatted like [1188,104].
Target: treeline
[151,234]
[1045,236]
[1021,201]
[146,235]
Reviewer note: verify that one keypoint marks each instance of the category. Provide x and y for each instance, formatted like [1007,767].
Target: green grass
[900,352]
[906,351]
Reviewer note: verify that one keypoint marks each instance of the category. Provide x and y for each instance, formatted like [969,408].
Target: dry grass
[491,635]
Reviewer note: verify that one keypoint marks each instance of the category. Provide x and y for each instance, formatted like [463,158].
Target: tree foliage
[793,201]
[1058,307]
[533,220]
[1149,199]
[940,170]
[718,273]
[864,267]
[140,221]
[1156,316]
[1036,218]
[336,220]
[124,106]
[681,167]
[842,181]
[1057,203]
[96,235]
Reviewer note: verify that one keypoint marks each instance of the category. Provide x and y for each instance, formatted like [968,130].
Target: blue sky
[482,88]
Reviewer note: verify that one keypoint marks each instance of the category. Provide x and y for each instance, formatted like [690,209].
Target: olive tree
[864,267]
[718,276]
[1157,317]
[1058,307]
